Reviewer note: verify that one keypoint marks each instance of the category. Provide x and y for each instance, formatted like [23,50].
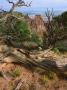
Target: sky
[38,5]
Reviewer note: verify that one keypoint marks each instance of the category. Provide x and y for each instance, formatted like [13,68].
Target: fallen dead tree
[46,60]
[36,58]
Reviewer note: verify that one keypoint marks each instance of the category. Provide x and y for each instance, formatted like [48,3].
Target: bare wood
[19,3]
[19,85]
[3,73]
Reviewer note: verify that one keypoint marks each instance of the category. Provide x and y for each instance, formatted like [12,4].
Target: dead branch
[26,53]
[49,14]
[19,84]
[19,3]
[10,2]
[3,74]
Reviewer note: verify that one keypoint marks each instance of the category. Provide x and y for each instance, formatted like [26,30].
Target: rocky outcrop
[36,25]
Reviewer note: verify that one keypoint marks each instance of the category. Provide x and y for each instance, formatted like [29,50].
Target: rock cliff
[36,25]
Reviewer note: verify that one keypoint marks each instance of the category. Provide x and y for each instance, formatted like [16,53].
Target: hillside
[33,54]
[37,70]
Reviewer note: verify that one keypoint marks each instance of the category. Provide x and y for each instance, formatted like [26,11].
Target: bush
[56,50]
[36,39]
[62,45]
[16,72]
[49,75]
[22,30]
[15,28]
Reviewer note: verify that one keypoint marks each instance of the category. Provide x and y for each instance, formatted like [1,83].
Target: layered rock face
[37,25]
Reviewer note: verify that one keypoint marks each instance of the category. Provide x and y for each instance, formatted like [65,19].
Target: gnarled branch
[19,3]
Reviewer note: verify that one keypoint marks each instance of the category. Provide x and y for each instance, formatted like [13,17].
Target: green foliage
[22,29]
[46,75]
[36,39]
[62,19]
[16,72]
[57,29]
[62,49]
[44,78]
[61,45]
[49,75]
[2,28]
[56,50]
[57,19]
[17,29]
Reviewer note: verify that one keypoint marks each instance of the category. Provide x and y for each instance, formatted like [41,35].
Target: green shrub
[62,49]
[17,29]
[61,45]
[49,75]
[16,72]
[36,39]
[56,50]
[21,32]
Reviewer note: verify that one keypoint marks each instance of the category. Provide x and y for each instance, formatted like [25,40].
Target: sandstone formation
[36,25]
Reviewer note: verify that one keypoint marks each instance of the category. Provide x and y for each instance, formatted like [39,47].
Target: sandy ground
[30,79]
